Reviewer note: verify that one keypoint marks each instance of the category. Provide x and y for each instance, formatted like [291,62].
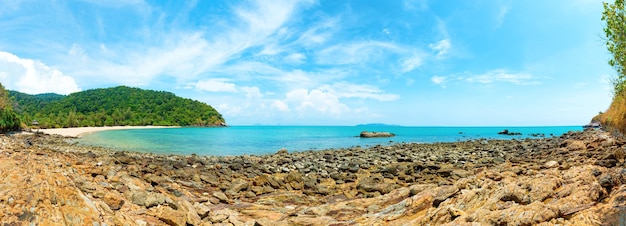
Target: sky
[323,62]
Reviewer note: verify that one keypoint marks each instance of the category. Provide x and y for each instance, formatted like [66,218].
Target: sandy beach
[81,131]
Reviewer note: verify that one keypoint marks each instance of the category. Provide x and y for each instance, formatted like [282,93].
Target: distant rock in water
[366,134]
[506,132]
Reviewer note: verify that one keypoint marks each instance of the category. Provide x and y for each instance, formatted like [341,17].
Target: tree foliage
[615,31]
[118,106]
[9,121]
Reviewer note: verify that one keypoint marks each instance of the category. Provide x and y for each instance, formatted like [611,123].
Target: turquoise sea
[259,140]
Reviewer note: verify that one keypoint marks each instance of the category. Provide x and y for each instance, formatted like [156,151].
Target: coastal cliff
[614,119]
[578,178]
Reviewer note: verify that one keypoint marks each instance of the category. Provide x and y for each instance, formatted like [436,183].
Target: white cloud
[186,55]
[34,77]
[501,75]
[411,5]
[215,85]
[316,100]
[296,58]
[296,78]
[266,17]
[349,90]
[319,33]
[118,3]
[411,63]
[504,10]
[357,53]
[229,109]
[280,105]
[490,77]
[439,80]
[441,47]
[252,92]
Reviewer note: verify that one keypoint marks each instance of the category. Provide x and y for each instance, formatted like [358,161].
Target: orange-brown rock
[575,179]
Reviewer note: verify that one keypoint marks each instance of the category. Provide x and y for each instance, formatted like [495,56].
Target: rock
[212,179]
[154,199]
[606,181]
[374,184]
[606,162]
[551,164]
[282,151]
[201,209]
[220,196]
[193,217]
[169,216]
[115,202]
[366,134]
[147,199]
[138,197]
[575,145]
[507,132]
[236,186]
[443,193]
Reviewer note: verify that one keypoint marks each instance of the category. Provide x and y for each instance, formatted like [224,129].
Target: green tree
[9,121]
[615,31]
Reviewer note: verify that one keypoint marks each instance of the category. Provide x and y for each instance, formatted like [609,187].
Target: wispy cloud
[361,91]
[504,10]
[490,77]
[501,75]
[441,48]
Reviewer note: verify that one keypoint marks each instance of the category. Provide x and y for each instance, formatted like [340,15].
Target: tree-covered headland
[614,16]
[9,121]
[118,106]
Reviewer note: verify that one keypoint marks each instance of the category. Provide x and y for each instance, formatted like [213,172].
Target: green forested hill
[118,106]
[9,121]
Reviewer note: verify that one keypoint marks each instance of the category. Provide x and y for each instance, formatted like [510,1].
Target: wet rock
[366,134]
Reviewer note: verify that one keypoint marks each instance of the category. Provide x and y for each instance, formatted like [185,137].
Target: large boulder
[366,134]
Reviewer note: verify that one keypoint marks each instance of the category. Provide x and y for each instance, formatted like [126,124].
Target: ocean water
[260,140]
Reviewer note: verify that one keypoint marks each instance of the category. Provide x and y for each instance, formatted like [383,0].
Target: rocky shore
[575,179]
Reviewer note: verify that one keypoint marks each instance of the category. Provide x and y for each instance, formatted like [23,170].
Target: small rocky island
[366,134]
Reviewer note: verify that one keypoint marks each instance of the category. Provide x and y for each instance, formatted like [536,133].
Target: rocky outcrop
[507,132]
[366,134]
[574,179]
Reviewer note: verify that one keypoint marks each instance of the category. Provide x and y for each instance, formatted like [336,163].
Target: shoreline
[578,178]
[82,131]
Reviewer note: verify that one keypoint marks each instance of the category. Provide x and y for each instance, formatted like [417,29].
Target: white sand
[80,131]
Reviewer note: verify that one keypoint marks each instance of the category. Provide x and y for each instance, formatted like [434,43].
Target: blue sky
[412,62]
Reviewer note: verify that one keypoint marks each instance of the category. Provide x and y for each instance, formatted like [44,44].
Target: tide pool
[260,140]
